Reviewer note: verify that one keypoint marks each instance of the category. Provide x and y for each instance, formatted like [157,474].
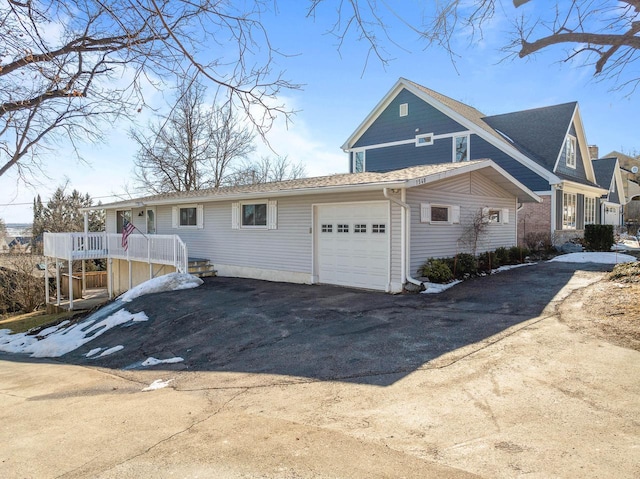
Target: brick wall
[534,218]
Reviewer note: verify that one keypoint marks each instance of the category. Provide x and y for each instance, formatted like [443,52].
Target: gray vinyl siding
[287,248]
[578,172]
[390,126]
[471,192]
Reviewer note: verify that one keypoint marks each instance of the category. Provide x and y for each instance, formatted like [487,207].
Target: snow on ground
[595,257]
[435,288]
[153,361]
[55,341]
[157,384]
[112,350]
[168,282]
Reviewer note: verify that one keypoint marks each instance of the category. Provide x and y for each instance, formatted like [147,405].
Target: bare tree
[192,147]
[603,34]
[21,288]
[266,170]
[69,69]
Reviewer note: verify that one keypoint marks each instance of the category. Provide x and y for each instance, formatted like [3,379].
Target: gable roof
[608,170]
[345,182]
[538,132]
[522,143]
[626,161]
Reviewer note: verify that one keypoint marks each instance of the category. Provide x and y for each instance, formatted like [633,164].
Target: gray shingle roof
[314,183]
[539,132]
[604,169]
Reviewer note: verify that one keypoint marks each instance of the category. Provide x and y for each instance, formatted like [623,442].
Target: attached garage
[353,244]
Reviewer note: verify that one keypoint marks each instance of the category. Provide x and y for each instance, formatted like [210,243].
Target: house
[630,169]
[609,175]
[369,230]
[545,149]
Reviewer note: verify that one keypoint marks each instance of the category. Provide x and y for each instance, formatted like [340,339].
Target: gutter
[405,240]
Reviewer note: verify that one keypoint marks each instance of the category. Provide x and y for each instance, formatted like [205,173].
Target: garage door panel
[349,252]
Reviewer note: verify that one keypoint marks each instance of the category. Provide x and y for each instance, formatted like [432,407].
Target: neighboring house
[368,230]
[630,169]
[608,174]
[543,148]
[19,244]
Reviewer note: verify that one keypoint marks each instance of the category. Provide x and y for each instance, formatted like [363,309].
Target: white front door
[353,244]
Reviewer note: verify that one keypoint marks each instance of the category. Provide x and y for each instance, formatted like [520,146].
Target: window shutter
[174,217]
[272,215]
[485,215]
[505,215]
[425,212]
[455,214]
[200,216]
[235,216]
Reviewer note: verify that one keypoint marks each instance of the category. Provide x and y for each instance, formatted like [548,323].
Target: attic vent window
[404,109]
[424,140]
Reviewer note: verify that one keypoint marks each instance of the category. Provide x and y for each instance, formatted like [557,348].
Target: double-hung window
[188,216]
[255,214]
[589,211]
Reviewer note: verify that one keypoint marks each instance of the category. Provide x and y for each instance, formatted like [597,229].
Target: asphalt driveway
[324,332]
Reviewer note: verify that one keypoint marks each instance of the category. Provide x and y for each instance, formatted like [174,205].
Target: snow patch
[56,341]
[168,282]
[435,288]
[93,352]
[157,384]
[153,361]
[596,257]
[112,350]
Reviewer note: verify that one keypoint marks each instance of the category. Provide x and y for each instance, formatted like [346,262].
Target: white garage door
[353,244]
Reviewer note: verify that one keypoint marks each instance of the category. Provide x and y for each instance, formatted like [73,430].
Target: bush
[466,264]
[538,241]
[487,261]
[598,237]
[436,270]
[518,254]
[503,256]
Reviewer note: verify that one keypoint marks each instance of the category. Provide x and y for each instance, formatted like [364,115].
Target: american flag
[127,229]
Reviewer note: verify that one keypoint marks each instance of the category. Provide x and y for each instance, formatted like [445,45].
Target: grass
[25,322]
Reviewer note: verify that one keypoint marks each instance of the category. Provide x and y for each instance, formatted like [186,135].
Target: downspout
[405,251]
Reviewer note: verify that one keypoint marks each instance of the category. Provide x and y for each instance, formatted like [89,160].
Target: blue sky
[339,92]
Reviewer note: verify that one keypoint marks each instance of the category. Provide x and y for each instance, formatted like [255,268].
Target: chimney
[594,152]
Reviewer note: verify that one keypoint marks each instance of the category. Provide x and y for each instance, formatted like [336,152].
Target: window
[254,214]
[378,228]
[494,216]
[424,140]
[570,151]
[121,216]
[439,214]
[360,228]
[327,228]
[151,221]
[569,201]
[343,228]
[589,211]
[188,216]
[358,161]
[404,109]
[461,148]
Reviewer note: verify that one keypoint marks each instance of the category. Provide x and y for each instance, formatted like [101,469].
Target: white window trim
[453,140]
[403,109]
[272,215]
[199,217]
[453,214]
[503,214]
[571,140]
[364,159]
[424,135]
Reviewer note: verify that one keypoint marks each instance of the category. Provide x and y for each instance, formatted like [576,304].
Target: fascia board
[583,144]
[505,147]
[566,133]
[617,177]
[374,114]
[578,188]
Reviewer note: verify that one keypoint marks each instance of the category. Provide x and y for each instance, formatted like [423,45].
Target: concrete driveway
[286,381]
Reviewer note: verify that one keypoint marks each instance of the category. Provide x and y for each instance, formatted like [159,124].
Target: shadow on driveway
[324,332]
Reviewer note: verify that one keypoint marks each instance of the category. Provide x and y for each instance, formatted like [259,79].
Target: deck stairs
[201,268]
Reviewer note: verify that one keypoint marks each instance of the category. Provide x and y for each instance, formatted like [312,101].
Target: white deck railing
[158,249]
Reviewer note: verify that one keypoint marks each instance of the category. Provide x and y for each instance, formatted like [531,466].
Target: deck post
[57,282]
[46,281]
[70,285]
[110,277]
[149,258]
[130,274]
